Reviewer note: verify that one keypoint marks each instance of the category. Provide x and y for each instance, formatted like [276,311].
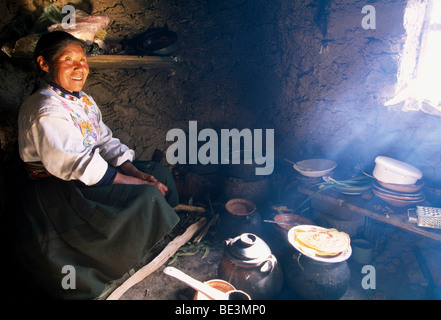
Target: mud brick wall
[307,69]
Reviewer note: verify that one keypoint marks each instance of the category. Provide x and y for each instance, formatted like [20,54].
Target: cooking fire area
[381,253]
[361,247]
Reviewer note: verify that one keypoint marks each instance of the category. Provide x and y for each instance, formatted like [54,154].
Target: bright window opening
[419,76]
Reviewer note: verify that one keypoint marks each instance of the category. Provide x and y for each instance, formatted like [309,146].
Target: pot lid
[249,249]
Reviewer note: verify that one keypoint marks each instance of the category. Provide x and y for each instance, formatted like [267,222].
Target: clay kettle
[249,265]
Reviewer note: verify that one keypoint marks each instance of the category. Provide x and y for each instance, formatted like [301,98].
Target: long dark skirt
[74,240]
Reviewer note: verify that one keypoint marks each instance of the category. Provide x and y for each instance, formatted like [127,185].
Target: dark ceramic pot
[249,265]
[241,216]
[316,280]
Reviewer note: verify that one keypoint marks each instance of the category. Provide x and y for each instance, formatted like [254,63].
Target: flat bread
[325,242]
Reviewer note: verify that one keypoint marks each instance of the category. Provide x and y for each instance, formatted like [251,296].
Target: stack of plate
[398,195]
[397,182]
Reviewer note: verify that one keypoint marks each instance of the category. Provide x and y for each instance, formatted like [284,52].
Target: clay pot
[249,265]
[316,280]
[241,216]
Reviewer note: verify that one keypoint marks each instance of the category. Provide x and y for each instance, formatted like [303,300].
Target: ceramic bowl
[401,187]
[397,195]
[240,207]
[399,202]
[391,170]
[315,167]
[218,284]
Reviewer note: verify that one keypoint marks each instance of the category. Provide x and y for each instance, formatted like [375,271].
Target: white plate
[311,252]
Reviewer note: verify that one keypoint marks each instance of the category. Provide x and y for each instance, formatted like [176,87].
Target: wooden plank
[171,248]
[129,61]
[365,207]
[189,208]
[116,61]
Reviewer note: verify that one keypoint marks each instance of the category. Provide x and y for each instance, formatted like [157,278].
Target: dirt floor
[397,276]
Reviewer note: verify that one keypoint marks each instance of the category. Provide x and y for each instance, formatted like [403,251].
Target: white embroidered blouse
[67,135]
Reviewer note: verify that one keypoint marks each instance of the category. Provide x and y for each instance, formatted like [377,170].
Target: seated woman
[89,213]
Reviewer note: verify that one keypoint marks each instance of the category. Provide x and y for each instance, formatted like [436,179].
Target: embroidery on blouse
[87,122]
[92,113]
[87,103]
[62,94]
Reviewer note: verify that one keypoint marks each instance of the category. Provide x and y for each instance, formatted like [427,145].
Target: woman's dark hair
[50,44]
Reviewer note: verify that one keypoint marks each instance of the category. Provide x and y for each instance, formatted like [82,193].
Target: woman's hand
[131,175]
[129,169]
[144,176]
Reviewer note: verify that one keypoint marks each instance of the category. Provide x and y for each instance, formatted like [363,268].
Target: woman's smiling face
[69,68]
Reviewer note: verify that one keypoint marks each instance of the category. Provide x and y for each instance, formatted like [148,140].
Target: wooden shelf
[130,61]
[360,206]
[119,61]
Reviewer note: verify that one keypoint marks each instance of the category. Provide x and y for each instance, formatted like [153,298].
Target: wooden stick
[165,254]
[204,231]
[188,208]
